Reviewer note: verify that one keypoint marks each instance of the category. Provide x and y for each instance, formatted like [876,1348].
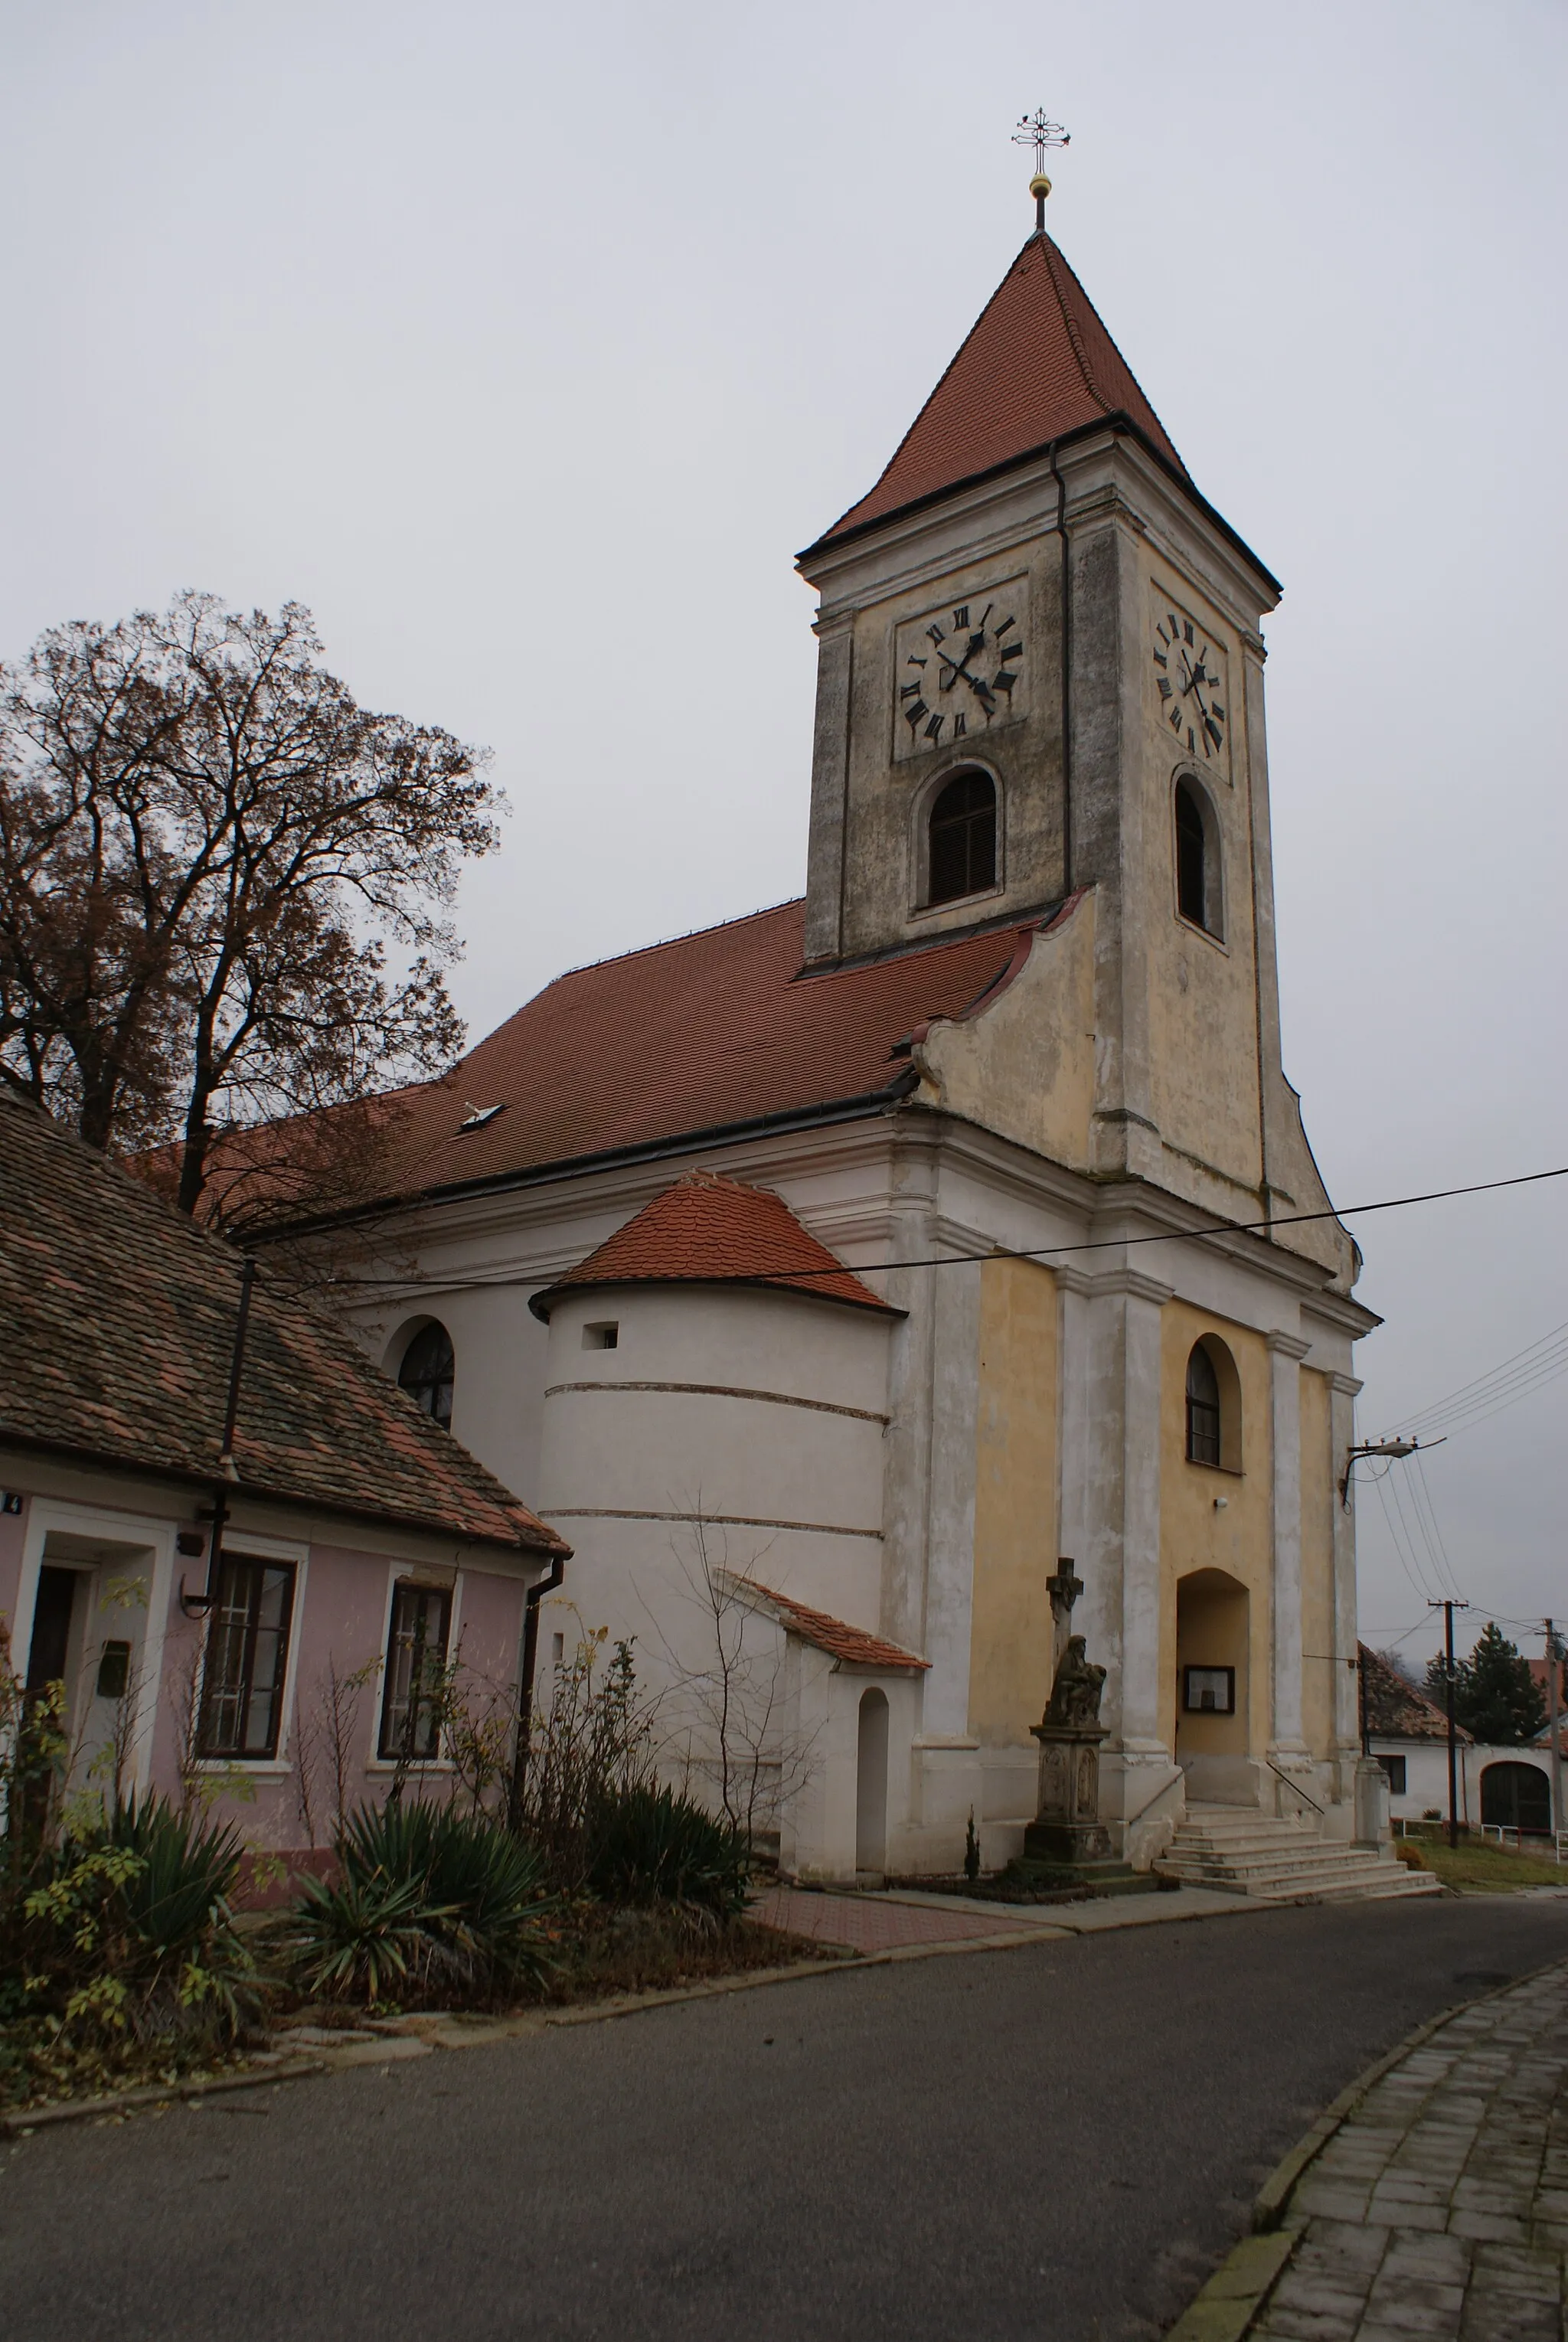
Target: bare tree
[728,1700]
[207,852]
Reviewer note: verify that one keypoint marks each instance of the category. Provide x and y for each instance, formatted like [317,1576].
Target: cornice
[1286,1345]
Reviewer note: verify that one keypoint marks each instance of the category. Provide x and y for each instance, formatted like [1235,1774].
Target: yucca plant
[653,1845]
[430,1899]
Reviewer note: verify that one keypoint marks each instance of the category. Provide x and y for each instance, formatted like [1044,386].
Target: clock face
[1189,676]
[957,672]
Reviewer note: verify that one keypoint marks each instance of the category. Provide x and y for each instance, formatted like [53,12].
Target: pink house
[266,1575]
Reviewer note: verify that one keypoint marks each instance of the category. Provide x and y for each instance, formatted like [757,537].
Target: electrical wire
[1528,1370]
[795,1277]
[1421,1497]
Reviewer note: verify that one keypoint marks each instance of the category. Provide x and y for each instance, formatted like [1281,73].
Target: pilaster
[829,789]
[1343,1393]
[1287,1746]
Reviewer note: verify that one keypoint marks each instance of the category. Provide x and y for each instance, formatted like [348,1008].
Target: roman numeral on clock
[915,716]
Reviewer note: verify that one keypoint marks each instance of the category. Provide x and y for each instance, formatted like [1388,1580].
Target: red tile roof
[716,1030]
[116,1333]
[1037,363]
[1395,1711]
[706,1229]
[850,1643]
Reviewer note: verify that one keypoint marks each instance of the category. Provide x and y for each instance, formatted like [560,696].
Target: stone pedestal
[1067,1827]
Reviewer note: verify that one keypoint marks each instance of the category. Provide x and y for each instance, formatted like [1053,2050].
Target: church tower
[1041,683]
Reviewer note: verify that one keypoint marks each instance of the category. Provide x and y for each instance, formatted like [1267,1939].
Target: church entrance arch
[871,1784]
[1214,1624]
[1516,1796]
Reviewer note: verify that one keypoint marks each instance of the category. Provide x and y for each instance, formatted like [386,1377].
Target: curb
[1228,2305]
[155,2094]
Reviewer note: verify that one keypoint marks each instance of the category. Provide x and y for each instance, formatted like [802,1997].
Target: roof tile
[706,1229]
[853,1644]
[1037,363]
[118,1320]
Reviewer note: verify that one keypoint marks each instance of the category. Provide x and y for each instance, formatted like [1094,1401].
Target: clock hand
[960,665]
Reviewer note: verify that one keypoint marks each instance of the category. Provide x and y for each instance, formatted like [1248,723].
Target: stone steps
[1236,1852]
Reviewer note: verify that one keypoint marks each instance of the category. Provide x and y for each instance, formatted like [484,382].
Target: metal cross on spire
[1038,130]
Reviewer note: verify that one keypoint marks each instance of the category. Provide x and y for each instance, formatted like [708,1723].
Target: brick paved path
[1439,2208]
[873,1923]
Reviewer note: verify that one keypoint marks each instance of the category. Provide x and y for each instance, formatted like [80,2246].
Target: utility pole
[1448,1609]
[1553,1665]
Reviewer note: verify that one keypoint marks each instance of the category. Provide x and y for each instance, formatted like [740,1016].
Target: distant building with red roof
[832,1272]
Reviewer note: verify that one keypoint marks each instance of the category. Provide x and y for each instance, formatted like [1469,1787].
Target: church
[824,1277]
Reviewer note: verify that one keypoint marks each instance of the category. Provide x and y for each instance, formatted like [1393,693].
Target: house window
[962,838]
[1198,888]
[428,1372]
[415,1661]
[1394,1768]
[247,1652]
[1202,1408]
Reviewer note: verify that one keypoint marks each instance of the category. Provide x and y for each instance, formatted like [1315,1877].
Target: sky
[526,345]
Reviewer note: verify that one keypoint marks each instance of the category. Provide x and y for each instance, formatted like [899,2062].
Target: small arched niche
[961,838]
[1200,874]
[1213,1406]
[426,1368]
[871,1784]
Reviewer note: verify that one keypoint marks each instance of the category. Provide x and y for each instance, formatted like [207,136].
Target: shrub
[430,1901]
[118,1940]
[651,1846]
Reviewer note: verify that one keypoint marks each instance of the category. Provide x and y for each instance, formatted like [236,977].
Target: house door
[48,1651]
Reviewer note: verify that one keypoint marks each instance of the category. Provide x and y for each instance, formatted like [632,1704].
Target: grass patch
[1475,1867]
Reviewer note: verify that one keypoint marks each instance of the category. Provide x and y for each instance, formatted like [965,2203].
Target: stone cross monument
[1067,1827]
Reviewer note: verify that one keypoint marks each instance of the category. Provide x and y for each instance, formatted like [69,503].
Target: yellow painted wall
[1014,1503]
[1318,1500]
[1193,1535]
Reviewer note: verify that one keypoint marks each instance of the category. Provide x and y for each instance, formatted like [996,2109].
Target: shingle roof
[684,1039]
[118,1320]
[852,1644]
[1395,1711]
[1036,364]
[705,1229]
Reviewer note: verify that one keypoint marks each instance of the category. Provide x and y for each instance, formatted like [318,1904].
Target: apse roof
[1037,363]
[706,1229]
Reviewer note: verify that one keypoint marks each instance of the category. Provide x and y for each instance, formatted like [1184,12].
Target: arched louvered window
[962,842]
[1198,887]
[428,1372]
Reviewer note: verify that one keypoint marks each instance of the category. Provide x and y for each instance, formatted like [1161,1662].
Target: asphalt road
[1051,2142]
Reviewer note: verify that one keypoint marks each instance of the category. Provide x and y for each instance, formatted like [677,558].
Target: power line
[797,1276]
[1516,1377]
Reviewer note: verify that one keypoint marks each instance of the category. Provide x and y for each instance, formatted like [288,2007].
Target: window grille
[415,1661]
[428,1373]
[1202,1408]
[1192,858]
[962,838]
[247,1652]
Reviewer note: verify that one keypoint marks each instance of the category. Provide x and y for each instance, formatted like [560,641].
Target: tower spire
[1037,130]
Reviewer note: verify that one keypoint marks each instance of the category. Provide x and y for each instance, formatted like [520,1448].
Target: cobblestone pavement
[1440,2207]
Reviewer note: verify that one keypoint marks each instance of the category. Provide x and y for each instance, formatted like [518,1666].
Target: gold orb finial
[1040,185]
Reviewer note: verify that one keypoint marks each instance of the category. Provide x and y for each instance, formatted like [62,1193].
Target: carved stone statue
[1074,1702]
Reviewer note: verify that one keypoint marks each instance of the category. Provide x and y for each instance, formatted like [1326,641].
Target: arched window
[1197,860]
[1213,1406]
[962,838]
[1202,1408]
[428,1371]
